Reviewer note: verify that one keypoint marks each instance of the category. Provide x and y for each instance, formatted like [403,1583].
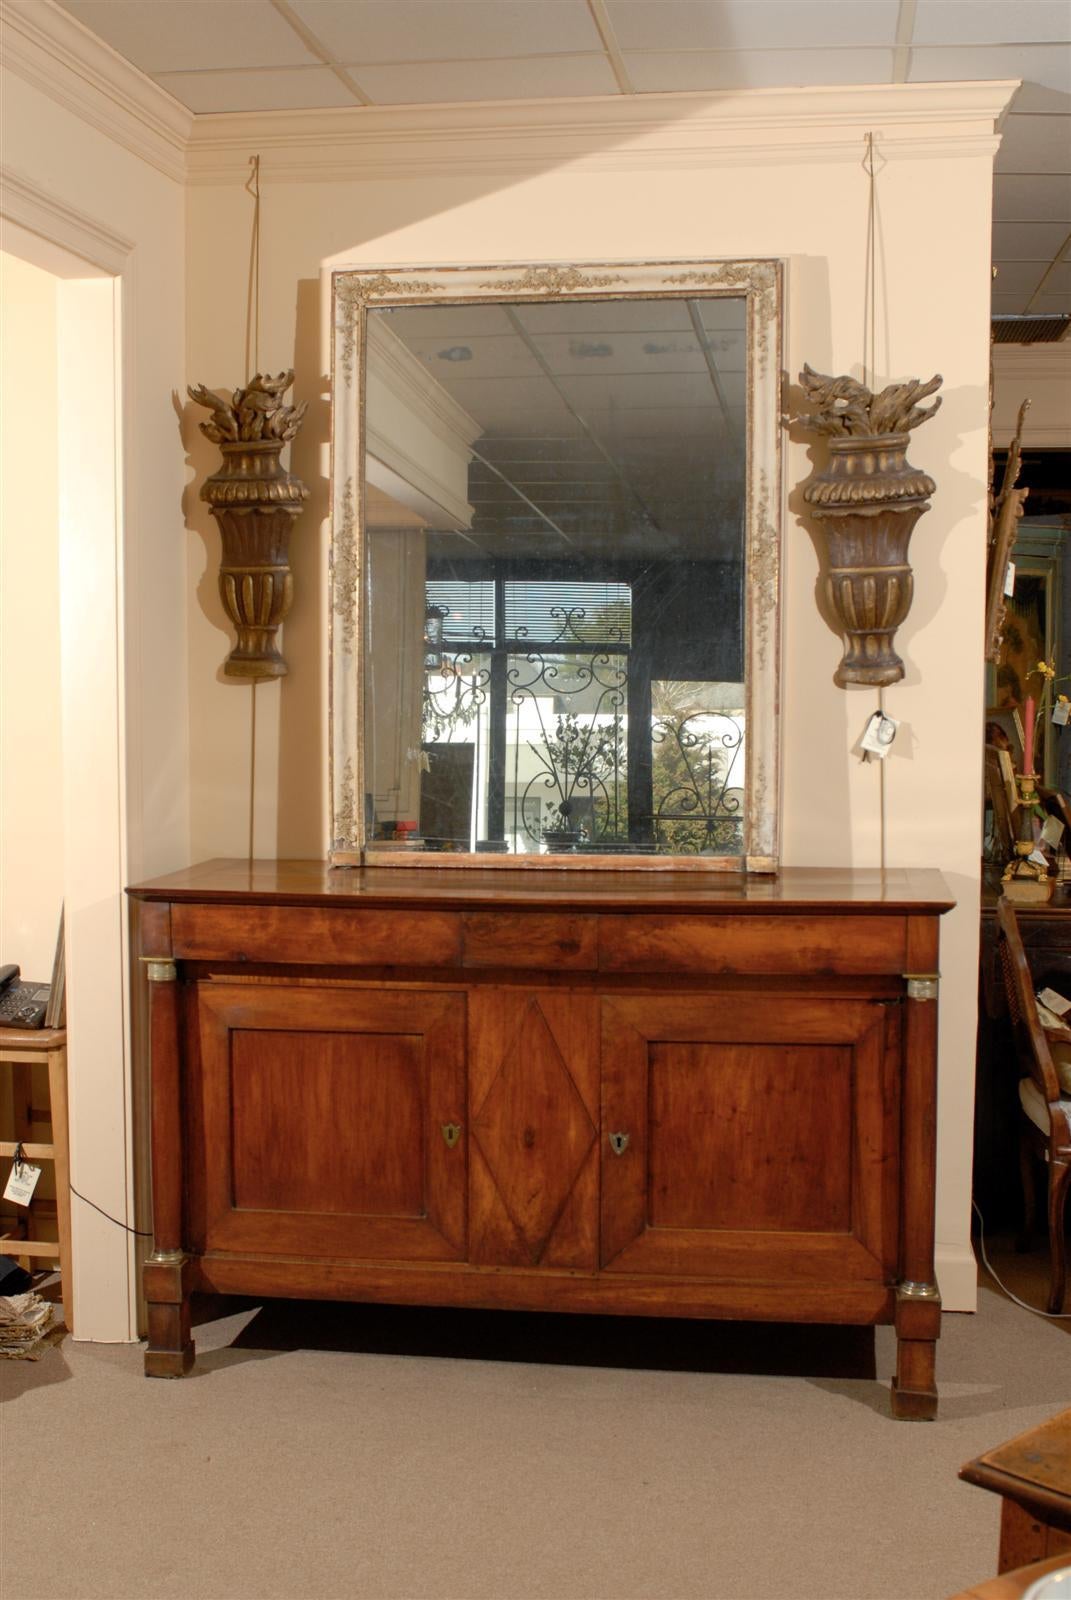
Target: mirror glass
[554,593]
[555,565]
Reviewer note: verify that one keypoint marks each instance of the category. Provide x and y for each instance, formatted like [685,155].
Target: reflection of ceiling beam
[540,513]
[712,367]
[536,354]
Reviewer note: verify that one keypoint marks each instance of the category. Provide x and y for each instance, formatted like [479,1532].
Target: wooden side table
[1032,1474]
[22,1047]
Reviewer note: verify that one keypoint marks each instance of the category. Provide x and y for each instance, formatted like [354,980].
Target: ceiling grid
[265,55]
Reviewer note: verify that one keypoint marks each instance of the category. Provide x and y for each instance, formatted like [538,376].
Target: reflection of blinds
[537,611]
[468,606]
[589,613]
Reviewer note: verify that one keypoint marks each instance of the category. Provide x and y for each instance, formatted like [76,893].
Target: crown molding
[26,204]
[623,132]
[46,47]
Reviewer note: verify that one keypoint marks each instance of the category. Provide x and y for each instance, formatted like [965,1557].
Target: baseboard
[957,1277]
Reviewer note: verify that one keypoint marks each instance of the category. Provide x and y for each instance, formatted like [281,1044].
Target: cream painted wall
[707,193]
[31,755]
[82,203]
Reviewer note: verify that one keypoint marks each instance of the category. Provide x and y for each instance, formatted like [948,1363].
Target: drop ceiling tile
[1029,241]
[531,78]
[186,35]
[657,72]
[1058,280]
[1035,144]
[278,89]
[1030,198]
[1052,302]
[360,31]
[751,24]
[1018,277]
[1036,63]
[991,21]
[1008,304]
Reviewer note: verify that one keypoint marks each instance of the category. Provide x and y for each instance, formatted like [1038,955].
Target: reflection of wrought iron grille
[551,719]
[698,783]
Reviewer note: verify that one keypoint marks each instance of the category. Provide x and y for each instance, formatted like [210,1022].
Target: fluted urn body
[255,502]
[867,501]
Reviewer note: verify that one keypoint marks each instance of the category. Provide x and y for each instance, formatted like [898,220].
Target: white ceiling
[260,55]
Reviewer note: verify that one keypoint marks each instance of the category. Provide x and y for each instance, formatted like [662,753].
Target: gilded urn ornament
[255,501]
[867,500]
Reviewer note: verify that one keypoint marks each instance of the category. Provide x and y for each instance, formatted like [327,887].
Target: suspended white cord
[252,338]
[870,341]
[1052,1316]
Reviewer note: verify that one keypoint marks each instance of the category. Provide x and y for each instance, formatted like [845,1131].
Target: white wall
[774,174]
[31,754]
[86,194]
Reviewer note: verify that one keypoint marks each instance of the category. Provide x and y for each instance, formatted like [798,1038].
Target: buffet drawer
[762,945]
[324,937]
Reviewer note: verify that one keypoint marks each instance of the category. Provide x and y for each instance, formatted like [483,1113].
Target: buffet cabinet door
[330,1122]
[750,1137]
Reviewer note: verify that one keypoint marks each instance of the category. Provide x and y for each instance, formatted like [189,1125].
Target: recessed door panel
[287,1088]
[749,1142]
[714,1159]
[322,1116]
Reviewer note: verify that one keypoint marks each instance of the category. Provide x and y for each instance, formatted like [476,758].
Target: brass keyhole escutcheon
[619,1143]
[451,1133]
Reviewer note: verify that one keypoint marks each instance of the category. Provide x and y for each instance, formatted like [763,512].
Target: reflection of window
[543,611]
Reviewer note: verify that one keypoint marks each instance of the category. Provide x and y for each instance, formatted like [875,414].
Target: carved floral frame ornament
[356,291]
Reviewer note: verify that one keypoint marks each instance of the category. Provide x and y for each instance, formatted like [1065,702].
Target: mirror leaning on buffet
[556,542]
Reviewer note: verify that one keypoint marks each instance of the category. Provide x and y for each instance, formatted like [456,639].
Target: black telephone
[22,1005]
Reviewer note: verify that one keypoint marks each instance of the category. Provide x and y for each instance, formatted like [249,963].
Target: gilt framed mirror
[555,566]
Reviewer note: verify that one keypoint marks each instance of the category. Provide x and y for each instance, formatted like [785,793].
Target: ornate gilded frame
[353,293]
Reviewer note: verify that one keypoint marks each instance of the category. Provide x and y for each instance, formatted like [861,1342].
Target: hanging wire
[252,315]
[870,361]
[252,347]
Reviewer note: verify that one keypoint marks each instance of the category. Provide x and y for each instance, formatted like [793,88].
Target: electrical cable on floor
[1052,1316]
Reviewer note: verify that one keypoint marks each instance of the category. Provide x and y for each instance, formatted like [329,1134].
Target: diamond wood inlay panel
[533,1130]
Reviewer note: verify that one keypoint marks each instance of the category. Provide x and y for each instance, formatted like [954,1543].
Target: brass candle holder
[1024,879]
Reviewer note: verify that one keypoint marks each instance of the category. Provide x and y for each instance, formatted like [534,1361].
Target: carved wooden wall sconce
[255,502]
[867,500]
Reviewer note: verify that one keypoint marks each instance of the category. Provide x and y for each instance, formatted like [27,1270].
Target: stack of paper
[24,1321]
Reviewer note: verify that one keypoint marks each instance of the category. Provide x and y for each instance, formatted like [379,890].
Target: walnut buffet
[658,1093]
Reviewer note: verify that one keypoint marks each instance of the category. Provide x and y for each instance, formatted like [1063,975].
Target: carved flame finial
[255,412]
[847,408]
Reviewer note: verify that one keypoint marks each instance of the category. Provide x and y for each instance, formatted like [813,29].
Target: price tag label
[1009,581]
[1061,712]
[21,1183]
[1052,831]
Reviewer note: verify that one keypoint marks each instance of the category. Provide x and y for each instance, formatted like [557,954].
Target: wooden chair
[1044,1056]
[19,1049]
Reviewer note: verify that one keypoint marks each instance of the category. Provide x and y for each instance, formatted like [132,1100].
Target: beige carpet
[330,1452]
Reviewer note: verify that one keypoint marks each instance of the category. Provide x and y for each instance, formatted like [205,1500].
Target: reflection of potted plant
[577,762]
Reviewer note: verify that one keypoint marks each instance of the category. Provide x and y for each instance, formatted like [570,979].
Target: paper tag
[879,734]
[1052,831]
[1054,1001]
[21,1183]
[1037,858]
[1061,712]
[1009,581]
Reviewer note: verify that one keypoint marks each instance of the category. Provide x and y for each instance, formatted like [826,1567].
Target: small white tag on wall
[878,735]
[21,1183]
[1009,581]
